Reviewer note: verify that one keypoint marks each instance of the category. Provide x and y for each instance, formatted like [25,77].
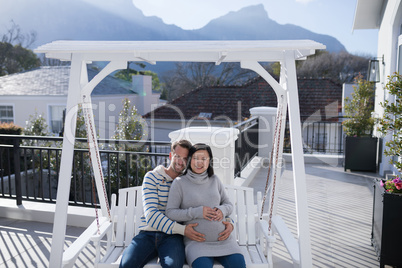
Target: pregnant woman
[199,197]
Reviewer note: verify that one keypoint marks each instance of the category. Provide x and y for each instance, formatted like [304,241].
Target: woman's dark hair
[197,147]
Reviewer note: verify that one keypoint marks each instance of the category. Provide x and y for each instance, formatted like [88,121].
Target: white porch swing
[117,53]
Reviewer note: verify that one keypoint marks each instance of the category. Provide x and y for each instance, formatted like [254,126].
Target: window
[205,115]
[56,118]
[6,114]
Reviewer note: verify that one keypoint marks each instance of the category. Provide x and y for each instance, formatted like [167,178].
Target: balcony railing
[318,138]
[246,145]
[29,167]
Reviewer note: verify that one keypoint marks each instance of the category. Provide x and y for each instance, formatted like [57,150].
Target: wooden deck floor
[340,207]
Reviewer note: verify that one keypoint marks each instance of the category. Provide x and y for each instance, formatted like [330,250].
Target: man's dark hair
[182,143]
[197,147]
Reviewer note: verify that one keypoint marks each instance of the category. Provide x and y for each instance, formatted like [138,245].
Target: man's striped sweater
[155,192]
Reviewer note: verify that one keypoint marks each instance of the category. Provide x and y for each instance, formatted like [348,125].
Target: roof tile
[320,99]
[53,81]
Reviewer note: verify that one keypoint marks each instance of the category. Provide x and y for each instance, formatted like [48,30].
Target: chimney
[142,85]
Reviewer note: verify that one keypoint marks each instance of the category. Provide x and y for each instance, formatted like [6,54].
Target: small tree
[391,122]
[37,158]
[359,109]
[130,127]
[36,125]
[82,163]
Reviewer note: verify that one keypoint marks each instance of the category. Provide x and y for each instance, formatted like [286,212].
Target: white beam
[186,51]
[256,67]
[108,69]
[222,56]
[67,153]
[299,175]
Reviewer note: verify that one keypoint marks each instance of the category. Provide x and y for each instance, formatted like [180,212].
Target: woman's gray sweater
[188,194]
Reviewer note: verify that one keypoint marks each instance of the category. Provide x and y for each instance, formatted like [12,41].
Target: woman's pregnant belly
[211,229]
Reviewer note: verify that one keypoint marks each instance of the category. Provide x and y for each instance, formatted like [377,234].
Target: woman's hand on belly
[218,214]
[208,213]
[212,214]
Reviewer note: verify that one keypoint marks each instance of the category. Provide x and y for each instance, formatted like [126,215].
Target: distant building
[320,100]
[45,90]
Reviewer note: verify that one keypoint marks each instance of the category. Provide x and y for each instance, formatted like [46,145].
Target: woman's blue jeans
[229,261]
[147,245]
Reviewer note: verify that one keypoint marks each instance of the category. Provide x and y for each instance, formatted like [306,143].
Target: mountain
[121,20]
[81,20]
[253,23]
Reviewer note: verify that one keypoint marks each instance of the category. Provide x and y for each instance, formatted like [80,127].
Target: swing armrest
[287,237]
[263,228]
[72,252]
[103,230]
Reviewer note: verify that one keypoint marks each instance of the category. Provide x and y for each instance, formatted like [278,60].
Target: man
[160,236]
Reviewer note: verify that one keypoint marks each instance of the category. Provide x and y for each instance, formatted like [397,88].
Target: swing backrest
[127,214]
[244,213]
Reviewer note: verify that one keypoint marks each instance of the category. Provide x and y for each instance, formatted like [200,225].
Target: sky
[331,17]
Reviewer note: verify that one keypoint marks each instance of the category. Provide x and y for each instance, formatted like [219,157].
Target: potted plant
[387,205]
[360,148]
[391,122]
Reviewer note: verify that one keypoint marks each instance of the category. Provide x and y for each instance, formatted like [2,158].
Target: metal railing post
[17,171]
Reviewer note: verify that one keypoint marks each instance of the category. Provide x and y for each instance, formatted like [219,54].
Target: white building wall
[106,111]
[24,106]
[106,108]
[390,29]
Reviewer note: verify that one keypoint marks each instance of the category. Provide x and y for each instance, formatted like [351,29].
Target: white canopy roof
[191,51]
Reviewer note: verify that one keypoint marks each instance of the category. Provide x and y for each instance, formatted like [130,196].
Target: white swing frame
[118,53]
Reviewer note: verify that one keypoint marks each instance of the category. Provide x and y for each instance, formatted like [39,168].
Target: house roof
[53,81]
[319,98]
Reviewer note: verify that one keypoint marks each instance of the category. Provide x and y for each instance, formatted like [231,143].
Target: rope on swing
[88,123]
[278,127]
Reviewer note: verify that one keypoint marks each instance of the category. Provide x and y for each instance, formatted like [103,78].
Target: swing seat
[251,232]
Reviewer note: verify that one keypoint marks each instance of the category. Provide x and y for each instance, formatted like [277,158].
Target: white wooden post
[222,142]
[63,193]
[77,88]
[284,91]
[299,174]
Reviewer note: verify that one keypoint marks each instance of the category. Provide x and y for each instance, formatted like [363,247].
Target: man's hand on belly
[193,234]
